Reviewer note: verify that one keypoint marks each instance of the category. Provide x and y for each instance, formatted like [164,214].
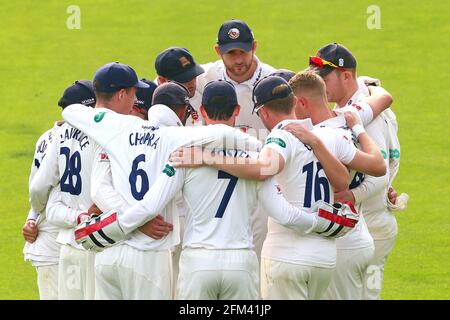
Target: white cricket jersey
[69,162]
[246,121]
[138,152]
[303,182]
[359,237]
[44,251]
[371,193]
[220,205]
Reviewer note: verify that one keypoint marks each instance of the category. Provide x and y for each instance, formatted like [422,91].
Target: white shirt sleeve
[165,188]
[372,185]
[273,202]
[32,215]
[103,193]
[345,149]
[58,213]
[100,124]
[45,178]
[362,109]
[278,141]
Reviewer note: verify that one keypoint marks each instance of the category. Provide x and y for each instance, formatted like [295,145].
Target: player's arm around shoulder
[46,177]
[379,100]
[370,159]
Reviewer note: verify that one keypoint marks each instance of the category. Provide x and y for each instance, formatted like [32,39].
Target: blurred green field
[40,56]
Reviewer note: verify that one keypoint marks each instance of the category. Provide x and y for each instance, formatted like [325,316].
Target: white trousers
[176,257]
[207,274]
[259,229]
[123,272]
[347,280]
[288,281]
[47,279]
[375,270]
[76,274]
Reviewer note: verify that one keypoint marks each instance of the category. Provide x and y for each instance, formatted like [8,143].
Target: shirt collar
[334,122]
[250,82]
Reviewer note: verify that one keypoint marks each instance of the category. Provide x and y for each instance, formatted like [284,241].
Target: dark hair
[223,113]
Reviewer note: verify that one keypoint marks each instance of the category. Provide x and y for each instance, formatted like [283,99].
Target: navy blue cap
[284,73]
[264,91]
[115,76]
[337,54]
[81,91]
[177,64]
[144,96]
[171,93]
[235,34]
[219,94]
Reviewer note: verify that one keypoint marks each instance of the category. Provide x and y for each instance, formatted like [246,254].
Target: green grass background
[40,57]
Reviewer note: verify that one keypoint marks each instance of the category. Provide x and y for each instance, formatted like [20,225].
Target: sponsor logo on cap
[234,33]
[88,101]
[341,62]
[184,61]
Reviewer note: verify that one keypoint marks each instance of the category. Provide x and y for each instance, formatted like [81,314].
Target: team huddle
[227,180]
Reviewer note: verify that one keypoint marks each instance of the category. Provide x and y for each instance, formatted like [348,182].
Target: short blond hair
[308,83]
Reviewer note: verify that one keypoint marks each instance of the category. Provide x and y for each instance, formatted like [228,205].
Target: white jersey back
[303,182]
[75,159]
[246,121]
[138,152]
[44,250]
[220,207]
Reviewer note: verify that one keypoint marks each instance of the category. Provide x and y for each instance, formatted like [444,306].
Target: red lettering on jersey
[103,156]
[356,106]
[345,138]
[243,129]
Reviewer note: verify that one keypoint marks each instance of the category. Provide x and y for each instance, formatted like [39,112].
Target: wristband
[358,129]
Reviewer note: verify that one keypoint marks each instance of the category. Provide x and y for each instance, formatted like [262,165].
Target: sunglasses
[140,110]
[320,63]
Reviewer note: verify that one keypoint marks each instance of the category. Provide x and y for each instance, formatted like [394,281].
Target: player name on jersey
[75,134]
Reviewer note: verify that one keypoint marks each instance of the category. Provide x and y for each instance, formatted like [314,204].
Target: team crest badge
[184,61]
[234,33]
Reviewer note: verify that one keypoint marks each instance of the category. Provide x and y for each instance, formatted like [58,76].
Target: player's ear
[203,112]
[216,48]
[254,46]
[162,80]
[237,110]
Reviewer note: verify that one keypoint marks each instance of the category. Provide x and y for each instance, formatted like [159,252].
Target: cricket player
[170,109]
[41,248]
[70,163]
[178,64]
[217,261]
[238,63]
[355,250]
[337,66]
[137,152]
[297,266]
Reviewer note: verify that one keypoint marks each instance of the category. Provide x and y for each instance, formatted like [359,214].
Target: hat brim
[189,74]
[226,47]
[141,84]
[324,71]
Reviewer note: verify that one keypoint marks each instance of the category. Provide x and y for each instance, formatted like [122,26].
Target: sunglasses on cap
[320,63]
[140,110]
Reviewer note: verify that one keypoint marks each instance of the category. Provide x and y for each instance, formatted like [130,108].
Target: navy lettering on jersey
[75,134]
[144,138]
[42,147]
